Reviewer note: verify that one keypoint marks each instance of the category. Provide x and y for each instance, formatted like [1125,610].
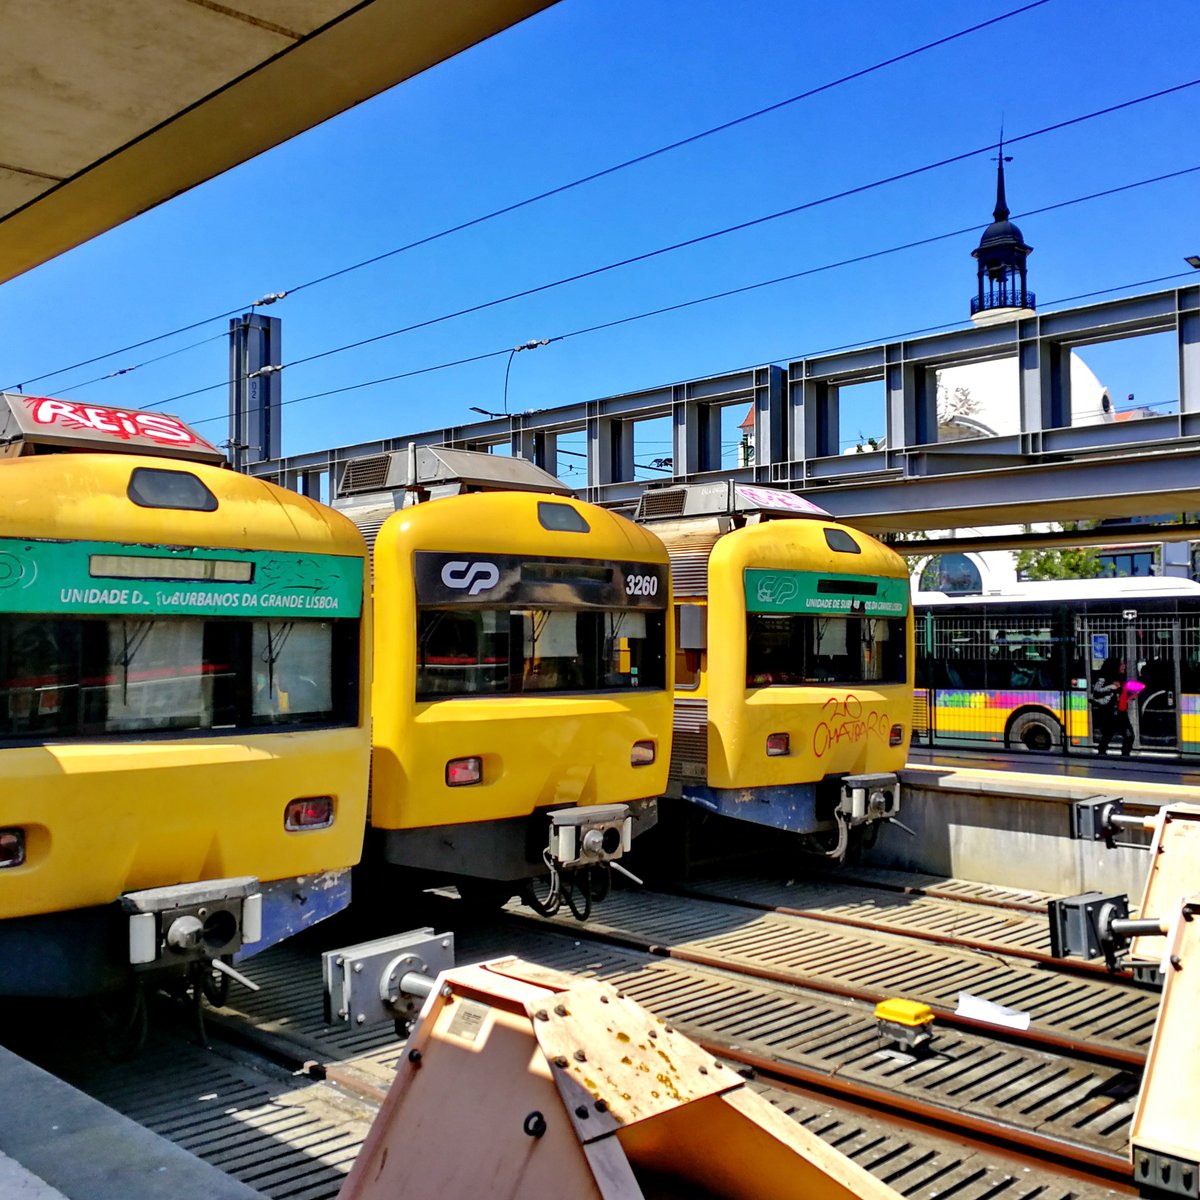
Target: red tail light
[12,847]
[463,771]
[897,735]
[642,754]
[309,812]
[778,744]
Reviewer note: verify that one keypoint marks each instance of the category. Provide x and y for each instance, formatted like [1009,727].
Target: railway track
[282,1102]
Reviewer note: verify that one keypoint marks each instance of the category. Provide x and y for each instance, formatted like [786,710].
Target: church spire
[1002,294]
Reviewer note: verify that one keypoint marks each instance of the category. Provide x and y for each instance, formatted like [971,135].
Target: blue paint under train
[291,905]
[791,806]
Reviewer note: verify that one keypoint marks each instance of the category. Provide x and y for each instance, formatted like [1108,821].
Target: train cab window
[96,676]
[526,651]
[795,649]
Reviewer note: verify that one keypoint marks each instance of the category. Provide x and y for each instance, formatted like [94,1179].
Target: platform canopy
[113,106]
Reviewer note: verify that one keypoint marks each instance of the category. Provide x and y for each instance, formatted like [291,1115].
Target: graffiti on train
[843,722]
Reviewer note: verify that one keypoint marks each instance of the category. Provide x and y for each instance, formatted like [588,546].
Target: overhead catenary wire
[699,239]
[272,297]
[779,358]
[724,294]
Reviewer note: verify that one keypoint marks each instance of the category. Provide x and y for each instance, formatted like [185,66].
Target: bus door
[1154,661]
[1149,647]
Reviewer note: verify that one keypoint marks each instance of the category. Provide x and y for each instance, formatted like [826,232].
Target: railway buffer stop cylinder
[1159,947]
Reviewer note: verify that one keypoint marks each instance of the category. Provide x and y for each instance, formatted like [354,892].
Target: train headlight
[896,737]
[642,754]
[309,812]
[778,744]
[463,771]
[12,847]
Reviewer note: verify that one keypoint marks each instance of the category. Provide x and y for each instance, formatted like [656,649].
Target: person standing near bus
[1110,705]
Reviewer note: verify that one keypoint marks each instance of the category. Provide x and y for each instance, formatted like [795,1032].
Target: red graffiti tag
[845,721]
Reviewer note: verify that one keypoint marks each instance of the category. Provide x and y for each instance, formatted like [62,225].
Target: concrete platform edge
[90,1152]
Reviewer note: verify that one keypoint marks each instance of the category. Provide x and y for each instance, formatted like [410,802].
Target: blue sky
[590,83]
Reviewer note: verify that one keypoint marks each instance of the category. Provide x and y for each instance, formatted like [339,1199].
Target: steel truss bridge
[1049,471]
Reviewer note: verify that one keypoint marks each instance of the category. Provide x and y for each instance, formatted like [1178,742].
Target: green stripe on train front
[823,592]
[122,578]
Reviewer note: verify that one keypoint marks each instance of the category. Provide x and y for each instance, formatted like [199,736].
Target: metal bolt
[361,1018]
[654,1033]
[447,992]
[582,1112]
[580,1056]
[343,1013]
[542,1015]
[414,1056]
[560,1060]
[560,1010]
[603,999]
[668,1029]
[445,943]
[703,1070]
[341,962]
[358,968]
[1177,962]
[718,1065]
[602,1106]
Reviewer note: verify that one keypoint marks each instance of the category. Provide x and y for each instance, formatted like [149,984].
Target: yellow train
[794,668]
[183,703]
[522,696]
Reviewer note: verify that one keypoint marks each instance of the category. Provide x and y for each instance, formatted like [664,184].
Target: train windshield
[65,677]
[794,649]
[526,651]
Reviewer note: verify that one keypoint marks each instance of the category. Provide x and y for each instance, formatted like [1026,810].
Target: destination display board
[114,578]
[821,593]
[495,580]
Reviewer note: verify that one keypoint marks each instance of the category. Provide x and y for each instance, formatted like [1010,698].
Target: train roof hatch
[38,424]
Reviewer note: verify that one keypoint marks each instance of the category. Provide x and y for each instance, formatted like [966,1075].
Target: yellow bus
[183,703]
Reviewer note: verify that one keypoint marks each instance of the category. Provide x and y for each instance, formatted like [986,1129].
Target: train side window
[153,487]
[691,640]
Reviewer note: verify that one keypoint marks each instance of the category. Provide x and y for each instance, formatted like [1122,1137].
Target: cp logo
[471,577]
[776,589]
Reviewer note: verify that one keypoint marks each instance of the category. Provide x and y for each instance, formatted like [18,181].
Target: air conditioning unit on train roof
[435,470]
[728,496]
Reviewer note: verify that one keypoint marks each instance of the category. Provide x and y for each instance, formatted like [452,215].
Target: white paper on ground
[978,1009]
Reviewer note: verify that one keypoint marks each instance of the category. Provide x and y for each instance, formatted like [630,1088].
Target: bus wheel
[1039,732]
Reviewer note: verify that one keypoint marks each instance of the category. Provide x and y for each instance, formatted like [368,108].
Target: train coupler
[192,923]
[585,843]
[865,799]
